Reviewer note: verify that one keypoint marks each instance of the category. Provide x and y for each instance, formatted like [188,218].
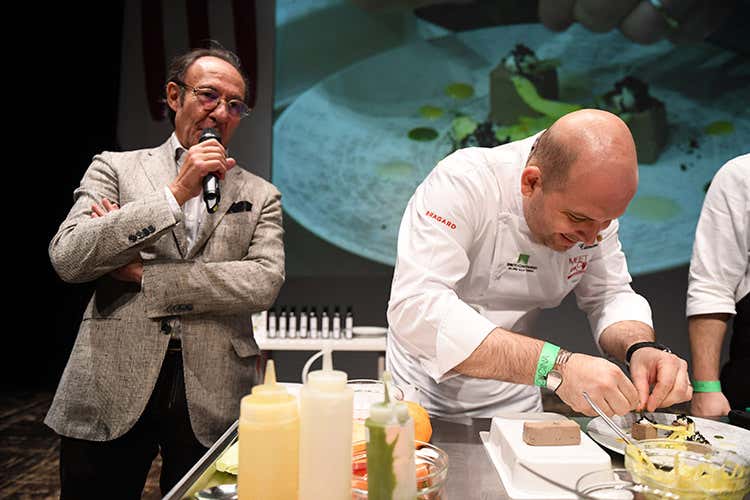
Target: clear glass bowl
[367,392]
[432,471]
[690,470]
[607,483]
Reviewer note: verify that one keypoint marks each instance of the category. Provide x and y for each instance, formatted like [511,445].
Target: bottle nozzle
[327,359]
[387,379]
[270,373]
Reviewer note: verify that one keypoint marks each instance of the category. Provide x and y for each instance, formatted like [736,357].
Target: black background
[61,85]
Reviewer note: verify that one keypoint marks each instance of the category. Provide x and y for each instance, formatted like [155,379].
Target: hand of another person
[645,21]
[709,404]
[103,209]
[604,382]
[668,375]
[200,160]
[130,272]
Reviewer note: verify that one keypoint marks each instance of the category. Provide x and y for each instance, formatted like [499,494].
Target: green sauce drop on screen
[719,128]
[423,134]
[431,112]
[459,90]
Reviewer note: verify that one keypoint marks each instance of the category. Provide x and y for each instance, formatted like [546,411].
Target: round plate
[369,331]
[346,139]
[719,434]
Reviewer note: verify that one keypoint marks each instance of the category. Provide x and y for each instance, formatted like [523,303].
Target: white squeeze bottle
[325,447]
[269,442]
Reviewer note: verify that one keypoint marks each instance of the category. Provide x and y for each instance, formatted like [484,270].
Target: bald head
[588,143]
[581,175]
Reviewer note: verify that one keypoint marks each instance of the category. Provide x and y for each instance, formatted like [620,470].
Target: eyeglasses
[210,99]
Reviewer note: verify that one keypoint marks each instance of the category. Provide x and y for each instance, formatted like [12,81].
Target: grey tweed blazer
[235,268]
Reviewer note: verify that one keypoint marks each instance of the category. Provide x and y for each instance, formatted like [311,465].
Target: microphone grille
[209,133]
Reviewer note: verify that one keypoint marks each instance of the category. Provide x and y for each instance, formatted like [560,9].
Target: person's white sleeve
[719,265]
[173,205]
[439,226]
[604,292]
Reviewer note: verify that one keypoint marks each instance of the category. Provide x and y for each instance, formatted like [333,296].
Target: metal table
[471,475]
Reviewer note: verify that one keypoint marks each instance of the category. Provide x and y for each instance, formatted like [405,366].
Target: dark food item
[645,115]
[483,137]
[506,106]
[697,437]
[682,420]
[551,433]
[693,435]
[643,430]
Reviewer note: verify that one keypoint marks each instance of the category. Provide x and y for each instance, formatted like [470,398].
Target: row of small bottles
[289,325]
[303,451]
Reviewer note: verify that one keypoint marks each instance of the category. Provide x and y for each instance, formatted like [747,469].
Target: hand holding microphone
[211,191]
[205,164]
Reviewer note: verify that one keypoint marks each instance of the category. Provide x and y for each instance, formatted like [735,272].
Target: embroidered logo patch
[440,219]
[521,264]
[577,265]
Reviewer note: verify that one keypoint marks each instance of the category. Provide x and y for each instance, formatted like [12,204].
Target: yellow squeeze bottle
[269,442]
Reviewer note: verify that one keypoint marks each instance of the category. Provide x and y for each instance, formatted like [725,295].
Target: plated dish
[718,434]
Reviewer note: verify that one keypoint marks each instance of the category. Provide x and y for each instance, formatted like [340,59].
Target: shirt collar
[179,150]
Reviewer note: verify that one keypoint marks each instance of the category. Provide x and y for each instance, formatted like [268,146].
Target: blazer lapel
[229,187]
[161,169]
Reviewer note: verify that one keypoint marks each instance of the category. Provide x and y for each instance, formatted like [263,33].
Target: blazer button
[133,238]
[166,328]
[151,229]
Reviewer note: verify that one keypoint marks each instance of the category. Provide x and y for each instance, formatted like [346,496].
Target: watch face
[554,379]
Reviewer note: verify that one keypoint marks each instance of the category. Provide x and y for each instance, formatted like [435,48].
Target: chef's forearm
[504,355]
[618,337]
[706,337]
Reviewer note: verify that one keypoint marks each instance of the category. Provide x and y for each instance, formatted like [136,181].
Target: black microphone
[211,192]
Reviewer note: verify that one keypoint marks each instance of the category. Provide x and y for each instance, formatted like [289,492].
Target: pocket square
[240,206]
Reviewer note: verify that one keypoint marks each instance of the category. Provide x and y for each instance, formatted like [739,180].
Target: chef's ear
[531,179]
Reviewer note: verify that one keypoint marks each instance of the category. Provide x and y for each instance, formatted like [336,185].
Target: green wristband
[545,364]
[706,386]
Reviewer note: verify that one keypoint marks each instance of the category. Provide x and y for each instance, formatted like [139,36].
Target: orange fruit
[422,425]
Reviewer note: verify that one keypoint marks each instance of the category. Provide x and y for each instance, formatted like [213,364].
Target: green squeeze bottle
[391,469]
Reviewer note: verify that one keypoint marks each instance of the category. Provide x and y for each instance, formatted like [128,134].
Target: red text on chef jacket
[440,219]
[577,265]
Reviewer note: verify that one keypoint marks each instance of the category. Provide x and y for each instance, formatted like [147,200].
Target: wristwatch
[638,345]
[554,378]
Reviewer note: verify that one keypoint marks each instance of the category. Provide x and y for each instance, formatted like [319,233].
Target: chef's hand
[709,404]
[641,21]
[202,159]
[604,382]
[129,272]
[665,372]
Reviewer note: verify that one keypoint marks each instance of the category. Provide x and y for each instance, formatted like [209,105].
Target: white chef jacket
[467,263]
[720,267]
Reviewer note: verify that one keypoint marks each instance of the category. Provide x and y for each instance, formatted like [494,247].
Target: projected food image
[350,149]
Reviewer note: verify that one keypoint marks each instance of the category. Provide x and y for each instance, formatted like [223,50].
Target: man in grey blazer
[165,350]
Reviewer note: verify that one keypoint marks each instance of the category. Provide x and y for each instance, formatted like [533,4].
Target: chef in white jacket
[493,235]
